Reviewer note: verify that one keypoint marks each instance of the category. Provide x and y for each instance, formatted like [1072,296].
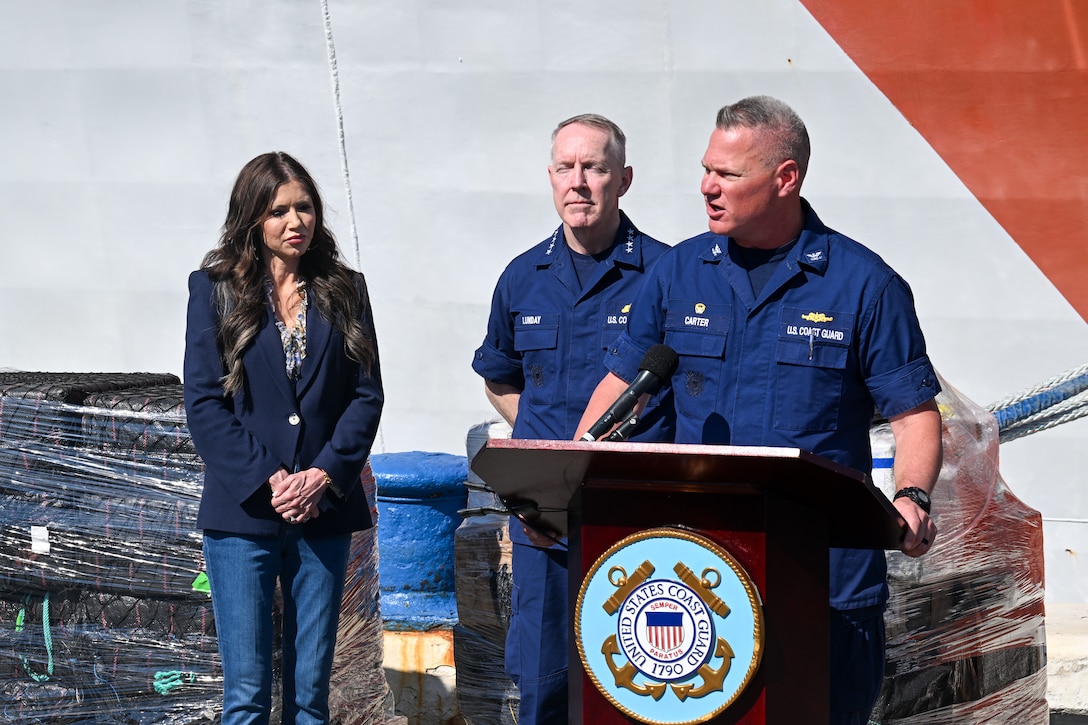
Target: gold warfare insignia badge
[816,317]
[669,627]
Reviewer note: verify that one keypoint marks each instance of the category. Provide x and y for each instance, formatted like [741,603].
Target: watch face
[916,495]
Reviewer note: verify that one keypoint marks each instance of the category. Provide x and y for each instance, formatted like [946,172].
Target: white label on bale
[39,539]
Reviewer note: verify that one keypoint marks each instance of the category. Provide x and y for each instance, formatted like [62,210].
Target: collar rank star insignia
[555,235]
[662,643]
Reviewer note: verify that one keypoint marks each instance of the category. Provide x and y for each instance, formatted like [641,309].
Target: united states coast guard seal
[664,644]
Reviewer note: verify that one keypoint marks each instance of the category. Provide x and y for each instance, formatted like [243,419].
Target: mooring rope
[1059,400]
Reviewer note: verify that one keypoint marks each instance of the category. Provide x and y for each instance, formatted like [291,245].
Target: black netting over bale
[139,421]
[128,547]
[76,518]
[74,387]
[84,656]
[44,406]
[78,609]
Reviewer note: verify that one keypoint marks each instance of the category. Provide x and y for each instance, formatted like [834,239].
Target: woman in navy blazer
[283,396]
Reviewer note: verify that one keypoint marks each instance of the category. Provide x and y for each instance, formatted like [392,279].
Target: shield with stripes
[665,630]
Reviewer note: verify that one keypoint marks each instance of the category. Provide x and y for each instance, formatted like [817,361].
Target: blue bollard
[419,495]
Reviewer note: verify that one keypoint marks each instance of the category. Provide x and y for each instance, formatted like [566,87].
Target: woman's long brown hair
[235,265]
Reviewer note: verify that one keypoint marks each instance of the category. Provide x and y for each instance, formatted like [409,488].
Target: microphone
[657,366]
[625,429]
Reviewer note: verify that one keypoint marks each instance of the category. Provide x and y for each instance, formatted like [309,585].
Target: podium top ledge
[547,473]
[683,461]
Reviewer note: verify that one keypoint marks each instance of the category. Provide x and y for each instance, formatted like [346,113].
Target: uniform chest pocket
[535,332]
[536,337]
[698,333]
[812,357]
[696,344]
[697,328]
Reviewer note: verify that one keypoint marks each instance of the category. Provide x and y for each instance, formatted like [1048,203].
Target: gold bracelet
[329,484]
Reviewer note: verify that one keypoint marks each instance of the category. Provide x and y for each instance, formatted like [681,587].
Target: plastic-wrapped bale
[72,518]
[359,693]
[44,405]
[965,624]
[98,658]
[485,694]
[482,501]
[482,552]
[141,421]
[28,474]
[98,518]
[102,613]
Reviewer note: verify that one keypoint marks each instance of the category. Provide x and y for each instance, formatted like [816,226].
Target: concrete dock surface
[1067,663]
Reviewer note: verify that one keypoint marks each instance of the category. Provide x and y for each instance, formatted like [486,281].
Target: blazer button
[293,419]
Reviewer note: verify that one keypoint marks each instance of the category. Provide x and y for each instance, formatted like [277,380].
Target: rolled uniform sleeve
[623,358]
[497,359]
[891,336]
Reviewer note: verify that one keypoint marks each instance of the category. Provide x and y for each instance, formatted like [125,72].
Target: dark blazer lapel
[269,347]
[318,335]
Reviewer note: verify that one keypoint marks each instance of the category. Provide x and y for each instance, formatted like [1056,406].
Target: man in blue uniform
[791,334]
[555,311]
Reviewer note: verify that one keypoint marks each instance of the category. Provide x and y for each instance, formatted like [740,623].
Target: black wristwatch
[916,495]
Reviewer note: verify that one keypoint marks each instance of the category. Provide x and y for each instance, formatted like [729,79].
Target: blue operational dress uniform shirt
[547,334]
[832,337]
[547,337]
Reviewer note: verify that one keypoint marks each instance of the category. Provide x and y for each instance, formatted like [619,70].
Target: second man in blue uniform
[555,311]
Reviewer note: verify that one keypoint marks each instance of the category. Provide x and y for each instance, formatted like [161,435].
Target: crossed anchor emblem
[711,679]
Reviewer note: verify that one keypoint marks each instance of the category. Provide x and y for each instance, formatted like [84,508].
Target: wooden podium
[776,511]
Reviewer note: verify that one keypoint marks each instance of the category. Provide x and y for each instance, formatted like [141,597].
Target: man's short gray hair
[787,137]
[617,142]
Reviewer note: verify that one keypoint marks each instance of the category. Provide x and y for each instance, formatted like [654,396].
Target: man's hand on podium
[918,456]
[919,532]
[540,538]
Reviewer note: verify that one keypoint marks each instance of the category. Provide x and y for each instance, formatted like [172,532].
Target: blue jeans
[242,571]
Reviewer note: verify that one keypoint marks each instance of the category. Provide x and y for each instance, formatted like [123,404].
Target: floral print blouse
[293,338]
